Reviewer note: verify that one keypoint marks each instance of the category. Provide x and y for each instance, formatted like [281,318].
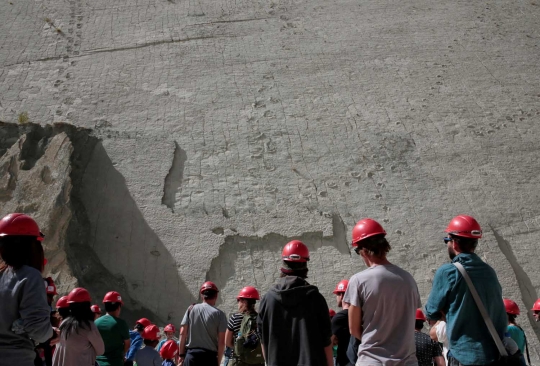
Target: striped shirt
[235,320]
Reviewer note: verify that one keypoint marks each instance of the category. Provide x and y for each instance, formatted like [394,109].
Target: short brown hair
[376,245]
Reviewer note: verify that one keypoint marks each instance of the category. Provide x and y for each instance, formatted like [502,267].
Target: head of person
[463,234]
[169,331]
[50,288]
[420,320]
[141,324]
[339,291]
[96,310]
[113,303]
[169,350]
[368,240]
[536,310]
[246,299]
[80,313]
[62,306]
[209,292]
[512,310]
[150,335]
[20,242]
[295,256]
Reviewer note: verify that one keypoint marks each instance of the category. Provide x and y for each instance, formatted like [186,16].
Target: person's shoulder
[30,274]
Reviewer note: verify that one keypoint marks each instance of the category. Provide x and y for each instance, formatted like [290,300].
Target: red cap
[20,224]
[96,309]
[341,286]
[50,286]
[248,292]
[295,251]
[169,350]
[169,328]
[464,226]
[536,305]
[332,313]
[113,296]
[151,332]
[364,229]
[208,285]
[62,303]
[420,315]
[144,322]
[79,294]
[511,307]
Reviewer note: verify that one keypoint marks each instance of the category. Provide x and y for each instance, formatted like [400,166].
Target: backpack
[247,345]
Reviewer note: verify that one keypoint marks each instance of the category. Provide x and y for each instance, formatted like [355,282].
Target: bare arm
[229,342]
[221,347]
[329,355]
[433,332]
[183,338]
[127,344]
[355,321]
[439,361]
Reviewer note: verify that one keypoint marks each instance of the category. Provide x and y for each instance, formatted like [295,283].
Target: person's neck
[116,314]
[372,261]
[211,302]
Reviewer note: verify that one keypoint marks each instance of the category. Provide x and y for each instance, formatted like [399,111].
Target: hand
[56,337]
[180,361]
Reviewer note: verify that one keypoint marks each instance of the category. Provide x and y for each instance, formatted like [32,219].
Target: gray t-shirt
[205,323]
[23,304]
[148,356]
[389,297]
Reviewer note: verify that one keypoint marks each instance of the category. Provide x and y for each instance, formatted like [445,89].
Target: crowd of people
[381,321]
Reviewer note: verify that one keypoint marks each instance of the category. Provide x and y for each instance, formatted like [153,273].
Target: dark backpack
[247,345]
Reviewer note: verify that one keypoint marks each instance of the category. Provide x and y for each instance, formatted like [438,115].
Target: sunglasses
[447,240]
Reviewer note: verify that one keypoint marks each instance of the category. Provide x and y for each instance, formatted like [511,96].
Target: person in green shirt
[515,331]
[114,331]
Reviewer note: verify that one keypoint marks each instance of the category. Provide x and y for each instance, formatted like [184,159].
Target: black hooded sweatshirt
[294,324]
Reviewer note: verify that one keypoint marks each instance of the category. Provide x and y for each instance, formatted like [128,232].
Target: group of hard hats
[248,292]
[513,308]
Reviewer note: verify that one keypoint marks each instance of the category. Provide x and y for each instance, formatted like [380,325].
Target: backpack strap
[526,344]
[480,305]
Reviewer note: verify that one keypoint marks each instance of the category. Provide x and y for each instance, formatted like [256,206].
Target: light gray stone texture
[230,127]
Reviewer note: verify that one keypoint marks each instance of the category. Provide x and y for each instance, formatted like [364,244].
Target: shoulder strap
[526,344]
[482,309]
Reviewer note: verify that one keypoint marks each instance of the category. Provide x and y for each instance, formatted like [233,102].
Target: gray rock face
[228,128]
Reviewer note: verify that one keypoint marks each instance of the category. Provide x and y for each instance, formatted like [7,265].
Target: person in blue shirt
[169,331]
[136,339]
[515,331]
[469,339]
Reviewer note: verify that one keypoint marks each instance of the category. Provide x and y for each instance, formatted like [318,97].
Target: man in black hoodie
[293,316]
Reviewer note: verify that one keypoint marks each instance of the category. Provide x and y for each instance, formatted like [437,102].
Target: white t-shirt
[440,331]
[388,296]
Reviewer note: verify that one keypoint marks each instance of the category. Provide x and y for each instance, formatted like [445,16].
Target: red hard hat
[364,229]
[536,305]
[151,332]
[50,286]
[420,315]
[295,251]
[62,303]
[248,292]
[169,350]
[96,309]
[341,286]
[79,294]
[169,328]
[113,296]
[332,313]
[208,285]
[464,226]
[144,322]
[511,307]
[20,224]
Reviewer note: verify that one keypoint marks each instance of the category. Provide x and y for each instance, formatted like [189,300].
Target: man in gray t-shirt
[383,301]
[202,337]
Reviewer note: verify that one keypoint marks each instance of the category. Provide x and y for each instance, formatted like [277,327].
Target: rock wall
[223,129]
